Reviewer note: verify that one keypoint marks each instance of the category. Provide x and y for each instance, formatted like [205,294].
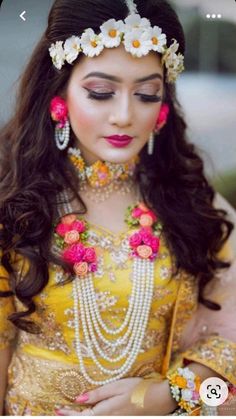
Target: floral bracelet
[184,387]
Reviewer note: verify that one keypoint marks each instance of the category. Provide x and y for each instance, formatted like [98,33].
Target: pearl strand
[143,318]
[85,298]
[97,316]
[119,340]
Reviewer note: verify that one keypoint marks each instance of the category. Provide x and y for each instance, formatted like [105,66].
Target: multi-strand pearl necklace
[87,317]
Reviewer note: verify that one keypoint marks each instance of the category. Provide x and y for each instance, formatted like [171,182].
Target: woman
[109,236]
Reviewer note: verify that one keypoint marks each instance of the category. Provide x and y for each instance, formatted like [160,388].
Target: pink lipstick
[119,141]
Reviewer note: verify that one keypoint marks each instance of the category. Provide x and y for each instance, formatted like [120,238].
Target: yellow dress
[44,373]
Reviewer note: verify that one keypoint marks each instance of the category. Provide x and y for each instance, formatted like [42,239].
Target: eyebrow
[117,79]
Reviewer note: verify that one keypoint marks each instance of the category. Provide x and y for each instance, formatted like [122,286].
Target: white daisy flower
[189,375]
[158,39]
[138,42]
[111,32]
[187,395]
[136,22]
[57,54]
[72,48]
[175,392]
[91,43]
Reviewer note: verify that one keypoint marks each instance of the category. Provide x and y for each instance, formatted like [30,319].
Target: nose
[121,112]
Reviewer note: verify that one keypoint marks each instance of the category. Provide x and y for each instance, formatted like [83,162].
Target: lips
[119,140]
[120,137]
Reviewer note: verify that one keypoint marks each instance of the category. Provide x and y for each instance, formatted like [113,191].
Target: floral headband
[135,33]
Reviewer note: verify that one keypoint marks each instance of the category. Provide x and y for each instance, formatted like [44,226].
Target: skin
[123,113]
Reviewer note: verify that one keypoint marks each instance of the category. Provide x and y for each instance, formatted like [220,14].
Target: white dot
[219,16]
[208,16]
[213,16]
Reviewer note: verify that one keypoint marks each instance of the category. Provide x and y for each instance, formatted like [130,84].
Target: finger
[101,393]
[67,412]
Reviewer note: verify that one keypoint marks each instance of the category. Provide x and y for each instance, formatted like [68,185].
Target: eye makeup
[108,95]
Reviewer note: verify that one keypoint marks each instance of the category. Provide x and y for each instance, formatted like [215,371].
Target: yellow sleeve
[7,307]
[210,338]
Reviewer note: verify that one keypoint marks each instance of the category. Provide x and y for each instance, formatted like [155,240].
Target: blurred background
[206,90]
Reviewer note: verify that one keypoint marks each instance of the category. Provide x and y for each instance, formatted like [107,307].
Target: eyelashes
[107,96]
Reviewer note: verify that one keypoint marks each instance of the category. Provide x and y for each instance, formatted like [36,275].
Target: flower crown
[137,36]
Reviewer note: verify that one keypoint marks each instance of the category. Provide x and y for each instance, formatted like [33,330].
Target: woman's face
[114,94]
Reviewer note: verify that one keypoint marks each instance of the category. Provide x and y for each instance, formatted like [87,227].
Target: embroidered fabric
[42,363]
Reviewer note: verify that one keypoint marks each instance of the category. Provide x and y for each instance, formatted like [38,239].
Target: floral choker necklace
[102,178]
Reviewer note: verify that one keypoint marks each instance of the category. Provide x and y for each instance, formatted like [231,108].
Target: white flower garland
[135,33]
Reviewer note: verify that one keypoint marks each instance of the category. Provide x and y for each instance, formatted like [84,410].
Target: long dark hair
[34,171]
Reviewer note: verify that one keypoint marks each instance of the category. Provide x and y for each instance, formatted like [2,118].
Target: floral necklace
[100,179]
[71,236]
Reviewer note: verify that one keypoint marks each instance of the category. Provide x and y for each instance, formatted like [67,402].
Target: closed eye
[105,96]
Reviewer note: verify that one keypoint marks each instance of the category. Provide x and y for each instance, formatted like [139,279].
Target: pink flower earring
[59,114]
[161,121]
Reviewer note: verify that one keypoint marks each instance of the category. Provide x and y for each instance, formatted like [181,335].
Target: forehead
[118,62]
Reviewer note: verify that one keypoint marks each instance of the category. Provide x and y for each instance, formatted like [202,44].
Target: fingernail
[59,413]
[82,398]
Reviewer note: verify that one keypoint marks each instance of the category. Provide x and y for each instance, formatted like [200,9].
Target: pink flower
[71,237]
[143,207]
[62,229]
[146,220]
[147,239]
[81,269]
[136,213]
[90,255]
[74,253]
[151,214]
[68,219]
[135,240]
[155,244]
[232,389]
[78,226]
[195,395]
[163,115]
[92,267]
[58,110]
[145,231]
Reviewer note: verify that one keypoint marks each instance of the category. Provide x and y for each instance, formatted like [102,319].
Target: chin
[118,155]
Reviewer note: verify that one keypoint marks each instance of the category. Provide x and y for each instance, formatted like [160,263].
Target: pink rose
[68,219]
[155,244]
[71,237]
[145,231]
[58,110]
[135,240]
[62,229]
[146,235]
[74,253]
[151,214]
[143,207]
[78,226]
[81,269]
[146,220]
[90,255]
[136,213]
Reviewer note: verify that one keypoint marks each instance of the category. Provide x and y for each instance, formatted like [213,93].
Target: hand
[112,399]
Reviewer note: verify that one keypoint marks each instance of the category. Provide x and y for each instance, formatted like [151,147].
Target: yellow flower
[180,381]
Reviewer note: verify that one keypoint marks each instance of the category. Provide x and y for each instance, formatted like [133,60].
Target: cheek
[149,119]
[81,114]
